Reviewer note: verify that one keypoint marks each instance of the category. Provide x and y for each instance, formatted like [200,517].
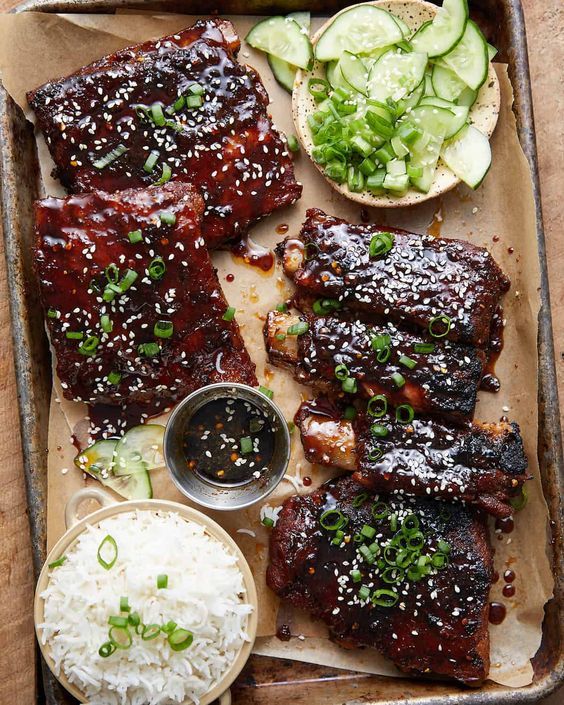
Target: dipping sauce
[229,441]
[497,612]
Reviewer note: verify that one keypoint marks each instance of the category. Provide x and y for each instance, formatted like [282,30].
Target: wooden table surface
[545,31]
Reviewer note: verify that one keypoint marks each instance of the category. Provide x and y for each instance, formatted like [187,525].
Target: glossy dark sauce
[282,229]
[505,525]
[497,612]
[508,590]
[509,576]
[212,442]
[283,632]
[490,381]
[254,254]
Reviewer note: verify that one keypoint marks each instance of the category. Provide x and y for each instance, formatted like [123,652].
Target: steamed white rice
[205,595]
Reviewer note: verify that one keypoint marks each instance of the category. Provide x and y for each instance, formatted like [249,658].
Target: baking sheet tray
[259,669]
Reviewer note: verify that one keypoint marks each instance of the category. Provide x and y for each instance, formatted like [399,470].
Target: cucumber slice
[404,28]
[282,37]
[469,58]
[359,30]
[425,155]
[396,75]
[445,31]
[468,155]
[303,19]
[283,72]
[460,114]
[467,97]
[335,77]
[446,83]
[431,120]
[353,71]
[413,98]
[98,461]
[142,443]
[428,87]
[492,52]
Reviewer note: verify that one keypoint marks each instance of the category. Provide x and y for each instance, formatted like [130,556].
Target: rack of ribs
[438,625]
[436,376]
[417,281]
[134,307]
[479,463]
[181,107]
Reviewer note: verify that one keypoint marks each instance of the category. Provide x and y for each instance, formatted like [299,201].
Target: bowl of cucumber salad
[394,101]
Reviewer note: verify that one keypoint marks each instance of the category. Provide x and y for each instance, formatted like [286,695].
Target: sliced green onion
[106,323]
[360,499]
[246,445]
[398,379]
[165,175]
[424,348]
[118,621]
[385,598]
[364,592]
[318,88]
[148,349]
[167,217]
[162,581]
[169,627]
[266,391]
[291,427]
[349,385]
[356,576]
[383,355]
[415,540]
[380,342]
[404,414]
[375,454]
[256,425]
[134,619]
[380,244]
[323,306]
[53,313]
[368,531]
[439,560]
[177,106]
[107,649]
[518,502]
[195,89]
[293,144]
[151,162]
[367,554]
[180,639]
[112,273]
[392,575]
[377,406]
[120,637]
[394,522]
[108,546]
[114,377]
[157,114]
[282,308]
[124,604]
[229,314]
[443,546]
[194,101]
[410,523]
[58,563]
[407,362]
[110,157]
[350,413]
[108,295]
[341,372]
[298,328]
[89,346]
[150,631]
[163,329]
[157,268]
[439,326]
[280,336]
[74,334]
[333,519]
[379,430]
[268,522]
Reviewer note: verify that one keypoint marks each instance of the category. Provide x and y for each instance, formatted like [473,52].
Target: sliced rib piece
[84,243]
[420,278]
[481,464]
[444,381]
[228,147]
[439,626]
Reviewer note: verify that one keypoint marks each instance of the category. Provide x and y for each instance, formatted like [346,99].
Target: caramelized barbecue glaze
[440,624]
[227,148]
[77,238]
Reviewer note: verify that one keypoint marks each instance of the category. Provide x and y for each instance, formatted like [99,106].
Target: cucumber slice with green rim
[283,72]
[492,52]
[282,37]
[468,155]
[98,461]
[396,75]
[467,97]
[406,32]
[142,443]
[303,19]
[443,33]
[335,77]
[359,30]
[431,120]
[413,99]
[446,83]
[425,155]
[353,71]
[428,87]
[460,114]
[469,58]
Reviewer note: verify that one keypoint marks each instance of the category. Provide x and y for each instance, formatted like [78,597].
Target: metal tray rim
[34,455]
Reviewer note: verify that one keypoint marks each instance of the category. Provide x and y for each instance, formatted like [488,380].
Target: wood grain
[545,30]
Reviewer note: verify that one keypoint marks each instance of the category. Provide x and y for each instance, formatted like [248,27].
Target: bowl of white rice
[146,602]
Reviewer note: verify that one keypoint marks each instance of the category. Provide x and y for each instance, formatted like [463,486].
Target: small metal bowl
[220,495]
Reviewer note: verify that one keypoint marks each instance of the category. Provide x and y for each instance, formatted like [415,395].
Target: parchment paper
[36,47]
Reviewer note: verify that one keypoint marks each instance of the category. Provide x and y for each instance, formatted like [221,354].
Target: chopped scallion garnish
[150,631]
[439,326]
[157,268]
[157,114]
[168,217]
[246,445]
[268,522]
[333,519]
[163,329]
[151,162]
[107,552]
[293,144]
[74,335]
[423,348]
[266,391]
[107,649]
[114,378]
[148,349]
[117,621]
[404,414]
[58,563]
[229,314]
[106,323]
[380,244]
[407,362]
[341,372]
[89,346]
[180,639]
[377,406]
[124,604]
[110,157]
[165,175]
[162,581]
[298,328]
[349,385]
[53,313]
[398,379]
[379,430]
[135,236]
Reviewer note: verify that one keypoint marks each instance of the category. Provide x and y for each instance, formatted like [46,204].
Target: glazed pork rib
[134,307]
[441,378]
[480,464]
[183,105]
[438,625]
[416,281]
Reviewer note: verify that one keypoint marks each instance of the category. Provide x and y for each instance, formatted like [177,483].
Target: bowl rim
[412,197]
[188,513]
